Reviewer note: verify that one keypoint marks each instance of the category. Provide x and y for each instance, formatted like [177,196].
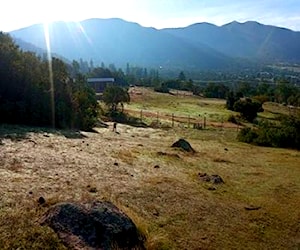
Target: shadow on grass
[123,118]
[20,132]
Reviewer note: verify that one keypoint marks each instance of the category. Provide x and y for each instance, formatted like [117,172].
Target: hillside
[158,186]
[250,40]
[117,41]
[198,46]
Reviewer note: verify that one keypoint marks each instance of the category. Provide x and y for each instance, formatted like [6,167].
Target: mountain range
[198,46]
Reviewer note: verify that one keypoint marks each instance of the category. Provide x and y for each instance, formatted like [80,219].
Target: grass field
[169,203]
[181,104]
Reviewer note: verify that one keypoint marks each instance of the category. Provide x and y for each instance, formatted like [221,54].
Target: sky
[16,14]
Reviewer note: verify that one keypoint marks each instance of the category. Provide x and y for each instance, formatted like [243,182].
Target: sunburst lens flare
[51,82]
[84,33]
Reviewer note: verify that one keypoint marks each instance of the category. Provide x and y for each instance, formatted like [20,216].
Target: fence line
[200,122]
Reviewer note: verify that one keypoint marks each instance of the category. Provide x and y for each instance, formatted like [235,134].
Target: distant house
[99,84]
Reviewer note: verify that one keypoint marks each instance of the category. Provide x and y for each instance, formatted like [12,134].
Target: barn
[99,84]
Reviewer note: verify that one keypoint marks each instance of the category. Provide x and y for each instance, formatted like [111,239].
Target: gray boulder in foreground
[96,225]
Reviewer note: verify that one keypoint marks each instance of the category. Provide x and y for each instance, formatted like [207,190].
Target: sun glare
[51,82]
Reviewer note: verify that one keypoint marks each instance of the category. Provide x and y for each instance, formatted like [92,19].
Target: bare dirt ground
[158,186]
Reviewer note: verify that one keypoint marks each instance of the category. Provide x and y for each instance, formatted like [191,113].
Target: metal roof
[93,80]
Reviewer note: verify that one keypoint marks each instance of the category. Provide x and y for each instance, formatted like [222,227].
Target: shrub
[286,134]
[248,108]
[247,135]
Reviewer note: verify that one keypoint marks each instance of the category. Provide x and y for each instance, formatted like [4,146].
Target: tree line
[34,92]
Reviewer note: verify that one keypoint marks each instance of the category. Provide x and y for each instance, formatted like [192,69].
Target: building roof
[93,80]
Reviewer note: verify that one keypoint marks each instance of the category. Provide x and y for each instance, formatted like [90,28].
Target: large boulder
[183,144]
[97,225]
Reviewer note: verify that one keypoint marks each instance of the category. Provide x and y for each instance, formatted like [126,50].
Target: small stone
[204,177]
[41,200]
[93,190]
[216,179]
[252,208]
[155,213]
[202,174]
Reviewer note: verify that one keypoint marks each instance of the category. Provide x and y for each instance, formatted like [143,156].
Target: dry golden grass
[170,205]
[156,185]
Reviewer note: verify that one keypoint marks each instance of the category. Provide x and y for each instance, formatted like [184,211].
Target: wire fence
[163,119]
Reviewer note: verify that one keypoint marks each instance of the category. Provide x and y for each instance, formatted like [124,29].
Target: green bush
[248,108]
[286,134]
[247,135]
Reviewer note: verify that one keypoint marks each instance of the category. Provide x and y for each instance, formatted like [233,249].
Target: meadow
[257,206]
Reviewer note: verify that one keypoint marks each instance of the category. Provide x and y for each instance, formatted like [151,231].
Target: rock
[204,177]
[96,225]
[183,144]
[155,212]
[41,200]
[93,190]
[251,208]
[216,179]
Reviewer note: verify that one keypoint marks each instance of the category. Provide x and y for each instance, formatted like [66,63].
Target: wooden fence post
[222,123]
[172,120]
